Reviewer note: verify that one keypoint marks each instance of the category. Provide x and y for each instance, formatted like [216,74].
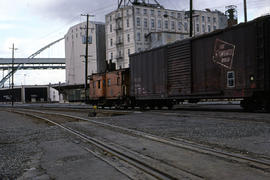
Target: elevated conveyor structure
[19,66]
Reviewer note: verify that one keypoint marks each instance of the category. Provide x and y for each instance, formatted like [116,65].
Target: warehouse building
[29,94]
[75,40]
[75,44]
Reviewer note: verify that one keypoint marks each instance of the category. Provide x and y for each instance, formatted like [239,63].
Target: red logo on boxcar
[223,53]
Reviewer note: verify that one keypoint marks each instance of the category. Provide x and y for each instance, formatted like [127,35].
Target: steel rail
[139,161]
[254,163]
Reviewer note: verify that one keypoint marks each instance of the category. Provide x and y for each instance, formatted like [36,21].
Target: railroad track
[179,143]
[153,168]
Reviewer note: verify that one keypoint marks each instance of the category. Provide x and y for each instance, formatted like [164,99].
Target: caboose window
[98,84]
[230,79]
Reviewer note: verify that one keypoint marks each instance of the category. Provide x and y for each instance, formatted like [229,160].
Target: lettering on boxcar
[223,53]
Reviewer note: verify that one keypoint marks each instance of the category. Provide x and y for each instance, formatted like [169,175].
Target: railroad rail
[179,143]
[151,167]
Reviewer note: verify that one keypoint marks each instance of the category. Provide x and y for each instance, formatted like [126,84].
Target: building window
[173,25]
[179,16]
[152,23]
[111,41]
[84,39]
[119,39]
[145,23]
[203,28]
[144,11]
[159,13]
[180,26]
[209,19]
[209,28]
[138,21]
[128,51]
[197,18]
[127,22]
[119,54]
[127,12]
[230,79]
[138,11]
[203,19]
[159,23]
[128,38]
[173,14]
[138,36]
[110,28]
[109,82]
[94,84]
[166,24]
[111,56]
[198,27]
[152,12]
[214,20]
[186,26]
[110,18]
[214,27]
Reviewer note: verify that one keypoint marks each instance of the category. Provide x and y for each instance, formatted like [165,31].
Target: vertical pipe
[190,19]
[245,10]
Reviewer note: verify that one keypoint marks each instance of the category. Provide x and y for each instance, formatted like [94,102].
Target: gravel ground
[17,144]
[31,149]
[247,133]
[241,132]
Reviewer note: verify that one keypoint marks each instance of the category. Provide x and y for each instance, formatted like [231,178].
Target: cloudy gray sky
[31,24]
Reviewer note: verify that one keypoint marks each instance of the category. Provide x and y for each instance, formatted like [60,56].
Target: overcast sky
[32,24]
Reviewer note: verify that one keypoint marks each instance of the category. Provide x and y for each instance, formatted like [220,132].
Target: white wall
[75,51]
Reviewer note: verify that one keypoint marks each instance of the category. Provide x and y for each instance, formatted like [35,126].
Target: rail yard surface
[65,143]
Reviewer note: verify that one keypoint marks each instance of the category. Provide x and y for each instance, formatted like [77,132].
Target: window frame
[230,79]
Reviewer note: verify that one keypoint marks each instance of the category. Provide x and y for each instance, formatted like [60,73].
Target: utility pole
[86,57]
[191,18]
[12,77]
[245,10]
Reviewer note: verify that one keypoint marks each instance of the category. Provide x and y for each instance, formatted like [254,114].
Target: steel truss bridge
[31,63]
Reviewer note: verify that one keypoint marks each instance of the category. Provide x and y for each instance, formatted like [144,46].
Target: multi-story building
[128,28]
[75,46]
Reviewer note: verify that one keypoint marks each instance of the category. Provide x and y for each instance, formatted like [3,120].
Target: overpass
[21,65]
[36,63]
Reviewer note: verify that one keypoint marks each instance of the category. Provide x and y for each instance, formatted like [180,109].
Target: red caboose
[110,88]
